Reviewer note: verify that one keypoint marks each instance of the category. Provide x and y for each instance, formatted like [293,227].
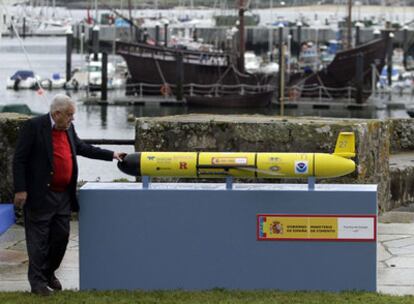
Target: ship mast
[130,18]
[349,26]
[241,35]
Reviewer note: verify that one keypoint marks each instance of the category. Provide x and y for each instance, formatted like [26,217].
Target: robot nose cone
[131,164]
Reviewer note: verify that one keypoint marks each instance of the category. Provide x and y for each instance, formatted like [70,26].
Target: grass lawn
[205,297]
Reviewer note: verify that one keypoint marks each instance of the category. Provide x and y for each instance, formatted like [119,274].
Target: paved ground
[395,256]
[13,261]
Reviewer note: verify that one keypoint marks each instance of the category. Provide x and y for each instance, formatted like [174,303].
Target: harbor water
[46,56]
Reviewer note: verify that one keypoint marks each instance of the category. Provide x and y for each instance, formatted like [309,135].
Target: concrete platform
[395,256]
[199,236]
[14,261]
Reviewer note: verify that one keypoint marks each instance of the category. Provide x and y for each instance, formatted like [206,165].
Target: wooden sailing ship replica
[350,74]
[204,78]
[218,79]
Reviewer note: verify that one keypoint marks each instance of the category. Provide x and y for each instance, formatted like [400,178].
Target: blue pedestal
[202,236]
[7,217]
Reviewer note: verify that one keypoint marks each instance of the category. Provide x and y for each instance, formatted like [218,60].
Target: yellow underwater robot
[244,164]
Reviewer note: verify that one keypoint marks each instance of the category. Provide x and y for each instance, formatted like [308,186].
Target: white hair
[61,102]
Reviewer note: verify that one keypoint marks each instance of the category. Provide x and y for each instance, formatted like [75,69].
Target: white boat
[400,79]
[252,62]
[56,82]
[90,77]
[270,68]
[52,27]
[309,58]
[22,79]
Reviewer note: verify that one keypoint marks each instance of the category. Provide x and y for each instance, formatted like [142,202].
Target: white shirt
[51,120]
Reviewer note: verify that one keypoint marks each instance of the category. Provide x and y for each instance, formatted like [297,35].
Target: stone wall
[265,133]
[402,135]
[9,128]
[402,184]
[374,140]
[402,161]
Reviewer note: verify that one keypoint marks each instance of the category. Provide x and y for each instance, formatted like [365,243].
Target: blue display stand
[7,217]
[203,236]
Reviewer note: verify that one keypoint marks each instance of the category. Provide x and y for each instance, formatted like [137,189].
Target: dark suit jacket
[33,160]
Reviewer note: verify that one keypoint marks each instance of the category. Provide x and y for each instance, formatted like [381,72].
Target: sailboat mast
[130,18]
[349,25]
[96,12]
[130,9]
[241,36]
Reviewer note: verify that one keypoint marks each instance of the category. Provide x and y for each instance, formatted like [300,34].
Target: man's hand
[20,199]
[119,155]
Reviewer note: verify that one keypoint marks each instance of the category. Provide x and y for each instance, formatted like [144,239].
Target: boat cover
[22,74]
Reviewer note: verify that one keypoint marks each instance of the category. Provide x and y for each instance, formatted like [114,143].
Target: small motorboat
[90,77]
[252,62]
[23,79]
[56,82]
[401,79]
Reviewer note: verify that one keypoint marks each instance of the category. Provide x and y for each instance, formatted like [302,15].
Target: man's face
[64,118]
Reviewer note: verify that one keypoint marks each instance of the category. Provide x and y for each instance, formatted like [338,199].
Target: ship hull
[255,100]
[151,68]
[348,76]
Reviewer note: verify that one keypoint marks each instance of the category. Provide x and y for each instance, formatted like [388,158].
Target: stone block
[259,133]
[402,135]
[401,185]
[9,130]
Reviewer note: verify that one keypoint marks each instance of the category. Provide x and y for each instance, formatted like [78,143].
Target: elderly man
[45,175]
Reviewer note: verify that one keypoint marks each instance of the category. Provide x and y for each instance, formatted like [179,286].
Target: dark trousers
[47,235]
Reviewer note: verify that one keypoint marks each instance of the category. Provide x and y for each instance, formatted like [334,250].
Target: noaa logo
[301,167]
